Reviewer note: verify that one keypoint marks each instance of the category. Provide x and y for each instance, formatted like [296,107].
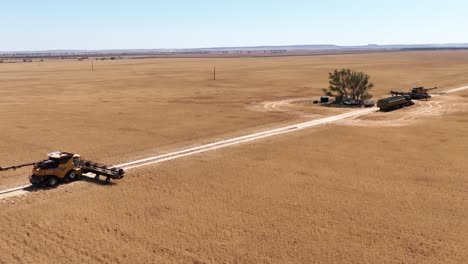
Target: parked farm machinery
[66,167]
[394,102]
[416,93]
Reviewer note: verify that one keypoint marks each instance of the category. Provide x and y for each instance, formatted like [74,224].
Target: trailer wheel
[52,181]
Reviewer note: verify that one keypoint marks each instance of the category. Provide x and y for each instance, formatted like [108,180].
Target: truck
[66,167]
[394,102]
[359,103]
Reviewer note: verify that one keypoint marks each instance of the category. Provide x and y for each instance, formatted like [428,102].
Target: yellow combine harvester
[66,167]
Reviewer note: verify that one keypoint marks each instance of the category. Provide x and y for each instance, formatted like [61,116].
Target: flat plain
[382,188]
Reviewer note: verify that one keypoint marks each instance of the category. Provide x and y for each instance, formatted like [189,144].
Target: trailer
[394,102]
[101,170]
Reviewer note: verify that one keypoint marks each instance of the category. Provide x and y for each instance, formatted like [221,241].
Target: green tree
[346,84]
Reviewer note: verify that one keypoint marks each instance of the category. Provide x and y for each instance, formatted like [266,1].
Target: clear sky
[106,24]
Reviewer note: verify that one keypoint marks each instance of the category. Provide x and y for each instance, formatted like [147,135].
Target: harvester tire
[52,181]
[71,176]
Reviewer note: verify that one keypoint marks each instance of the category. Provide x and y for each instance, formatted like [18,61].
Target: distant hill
[288,48]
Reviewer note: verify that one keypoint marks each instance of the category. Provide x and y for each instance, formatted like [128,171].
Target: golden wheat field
[380,188]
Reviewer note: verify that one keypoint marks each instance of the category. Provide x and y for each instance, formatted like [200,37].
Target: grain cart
[66,167]
[394,102]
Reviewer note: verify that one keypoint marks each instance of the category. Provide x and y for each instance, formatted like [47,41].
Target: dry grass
[148,106]
[333,194]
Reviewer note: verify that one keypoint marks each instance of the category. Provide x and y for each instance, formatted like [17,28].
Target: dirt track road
[21,190]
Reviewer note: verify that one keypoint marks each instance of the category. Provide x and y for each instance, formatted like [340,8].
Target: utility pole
[214,73]
[92,65]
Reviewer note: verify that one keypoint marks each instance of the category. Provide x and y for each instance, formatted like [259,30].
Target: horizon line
[226,48]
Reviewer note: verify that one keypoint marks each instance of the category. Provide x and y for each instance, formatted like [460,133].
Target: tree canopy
[346,85]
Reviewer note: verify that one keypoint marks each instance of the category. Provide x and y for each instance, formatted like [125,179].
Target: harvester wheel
[71,176]
[108,179]
[52,181]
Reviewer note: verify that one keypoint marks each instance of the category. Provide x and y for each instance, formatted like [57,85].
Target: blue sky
[86,24]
